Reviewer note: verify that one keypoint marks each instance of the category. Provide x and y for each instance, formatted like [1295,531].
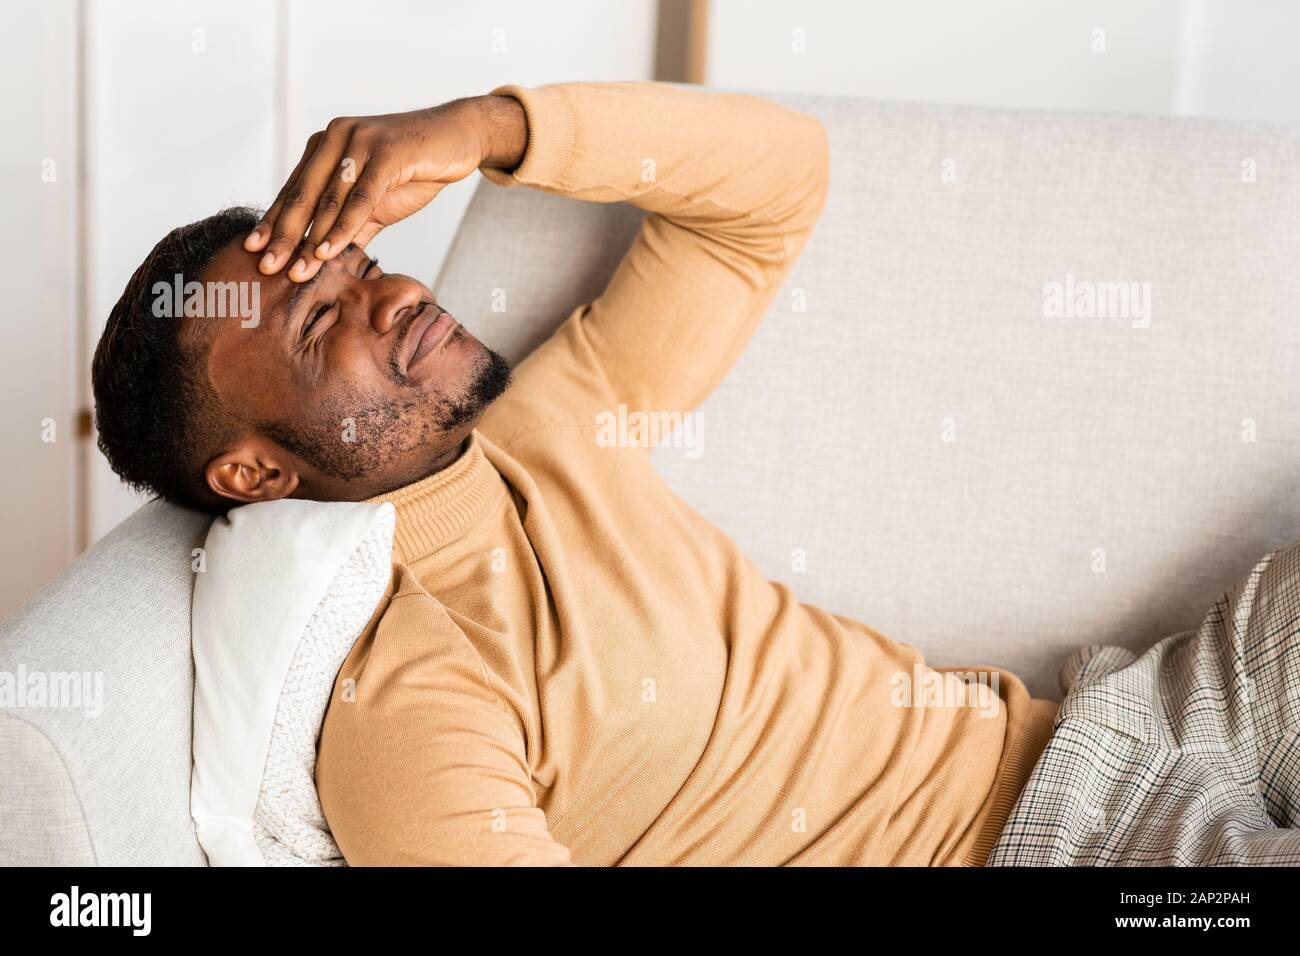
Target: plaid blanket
[1188,755]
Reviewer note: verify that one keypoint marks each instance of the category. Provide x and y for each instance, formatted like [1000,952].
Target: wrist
[503,131]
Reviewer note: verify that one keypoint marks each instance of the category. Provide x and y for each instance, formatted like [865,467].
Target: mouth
[430,330]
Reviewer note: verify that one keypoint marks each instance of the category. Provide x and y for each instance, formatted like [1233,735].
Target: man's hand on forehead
[362,174]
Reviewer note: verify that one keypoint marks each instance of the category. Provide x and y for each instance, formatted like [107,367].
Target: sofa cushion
[911,438]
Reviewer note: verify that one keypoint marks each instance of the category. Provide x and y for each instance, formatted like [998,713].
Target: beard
[359,439]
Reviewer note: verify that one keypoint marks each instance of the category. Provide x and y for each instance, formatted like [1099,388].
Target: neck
[441,506]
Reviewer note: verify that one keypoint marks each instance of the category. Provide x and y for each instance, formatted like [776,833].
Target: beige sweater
[572,666]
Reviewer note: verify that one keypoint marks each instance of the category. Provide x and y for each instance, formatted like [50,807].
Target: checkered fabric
[1188,755]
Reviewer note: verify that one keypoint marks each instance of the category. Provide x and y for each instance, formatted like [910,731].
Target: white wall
[1231,60]
[38,307]
[1239,60]
[180,121]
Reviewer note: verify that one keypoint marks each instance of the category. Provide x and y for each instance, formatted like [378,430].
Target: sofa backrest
[911,440]
[95,754]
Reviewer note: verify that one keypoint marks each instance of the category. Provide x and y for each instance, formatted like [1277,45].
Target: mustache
[399,343]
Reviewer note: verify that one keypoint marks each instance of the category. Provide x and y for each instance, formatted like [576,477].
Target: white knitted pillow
[288,825]
[287,589]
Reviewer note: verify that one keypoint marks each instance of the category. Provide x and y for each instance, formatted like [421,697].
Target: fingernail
[252,237]
[322,250]
[268,260]
[300,266]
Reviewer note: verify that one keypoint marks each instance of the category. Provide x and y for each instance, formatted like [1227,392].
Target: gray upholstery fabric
[924,302]
[114,788]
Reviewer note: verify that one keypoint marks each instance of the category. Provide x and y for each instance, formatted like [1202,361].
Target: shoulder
[411,648]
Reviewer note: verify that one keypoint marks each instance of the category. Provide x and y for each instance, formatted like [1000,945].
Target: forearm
[734,183]
[720,161]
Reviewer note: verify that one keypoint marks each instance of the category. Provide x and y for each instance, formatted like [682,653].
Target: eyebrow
[300,290]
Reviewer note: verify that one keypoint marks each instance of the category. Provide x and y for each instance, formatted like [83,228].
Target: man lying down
[571,665]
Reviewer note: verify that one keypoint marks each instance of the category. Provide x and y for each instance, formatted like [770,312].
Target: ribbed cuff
[550,136]
[1027,739]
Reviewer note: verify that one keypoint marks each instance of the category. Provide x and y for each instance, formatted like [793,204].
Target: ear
[251,471]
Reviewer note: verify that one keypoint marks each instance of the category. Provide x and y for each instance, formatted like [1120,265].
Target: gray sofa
[908,439]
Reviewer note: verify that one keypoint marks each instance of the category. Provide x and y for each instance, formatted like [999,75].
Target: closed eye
[372,265]
[316,316]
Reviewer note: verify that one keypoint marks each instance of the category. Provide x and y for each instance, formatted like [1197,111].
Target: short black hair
[158,417]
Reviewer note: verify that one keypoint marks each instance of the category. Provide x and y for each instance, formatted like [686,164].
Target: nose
[392,299]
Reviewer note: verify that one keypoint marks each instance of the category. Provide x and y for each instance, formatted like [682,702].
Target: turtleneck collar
[437,509]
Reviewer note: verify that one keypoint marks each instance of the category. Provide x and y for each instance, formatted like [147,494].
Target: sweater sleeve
[733,184]
[420,761]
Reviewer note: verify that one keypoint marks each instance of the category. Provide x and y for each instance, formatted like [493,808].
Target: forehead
[226,342]
[236,264]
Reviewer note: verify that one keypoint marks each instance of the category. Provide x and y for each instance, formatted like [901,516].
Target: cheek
[351,365]
[252,381]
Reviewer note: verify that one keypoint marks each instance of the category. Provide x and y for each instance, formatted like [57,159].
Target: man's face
[350,385]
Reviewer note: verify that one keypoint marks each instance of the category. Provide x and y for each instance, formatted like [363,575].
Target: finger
[300,205]
[261,233]
[366,233]
[362,198]
[348,176]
